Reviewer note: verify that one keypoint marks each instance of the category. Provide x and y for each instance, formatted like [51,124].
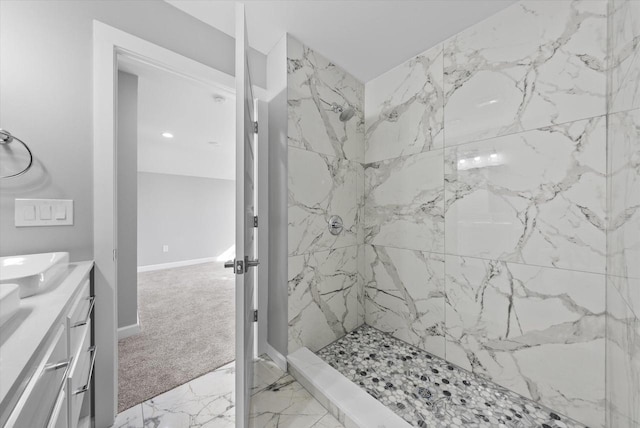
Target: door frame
[108,44]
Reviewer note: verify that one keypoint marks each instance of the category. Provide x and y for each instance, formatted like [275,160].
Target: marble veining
[405,108]
[404,295]
[285,403]
[623,360]
[277,400]
[534,64]
[537,197]
[130,418]
[624,195]
[325,178]
[405,202]
[503,320]
[319,187]
[314,84]
[323,297]
[427,391]
[624,27]
[207,401]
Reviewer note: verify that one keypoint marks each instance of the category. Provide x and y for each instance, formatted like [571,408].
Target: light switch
[29,213]
[45,212]
[60,212]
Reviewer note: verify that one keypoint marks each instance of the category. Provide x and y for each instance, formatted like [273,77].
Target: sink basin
[9,301]
[33,273]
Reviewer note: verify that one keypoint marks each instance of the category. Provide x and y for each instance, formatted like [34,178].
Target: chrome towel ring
[7,138]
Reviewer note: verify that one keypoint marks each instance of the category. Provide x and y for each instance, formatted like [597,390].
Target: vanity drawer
[79,317]
[60,417]
[43,401]
[80,376]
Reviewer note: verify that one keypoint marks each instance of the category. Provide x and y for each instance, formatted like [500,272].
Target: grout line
[444,212]
[489,259]
[445,147]
[323,250]
[624,299]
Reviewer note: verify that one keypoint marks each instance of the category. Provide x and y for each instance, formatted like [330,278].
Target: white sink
[34,273]
[9,301]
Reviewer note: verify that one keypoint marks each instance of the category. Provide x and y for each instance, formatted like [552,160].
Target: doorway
[176,222]
[109,45]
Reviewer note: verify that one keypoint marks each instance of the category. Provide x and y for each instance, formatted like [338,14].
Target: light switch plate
[43,212]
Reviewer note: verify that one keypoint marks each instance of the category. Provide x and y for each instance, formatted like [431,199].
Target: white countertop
[22,337]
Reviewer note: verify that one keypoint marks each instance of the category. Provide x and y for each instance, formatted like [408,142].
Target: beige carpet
[187,317]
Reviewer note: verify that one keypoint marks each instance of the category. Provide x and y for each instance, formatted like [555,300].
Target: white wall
[45,81]
[127,199]
[194,216]
[188,110]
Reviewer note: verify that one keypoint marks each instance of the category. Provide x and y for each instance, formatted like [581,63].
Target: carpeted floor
[187,318]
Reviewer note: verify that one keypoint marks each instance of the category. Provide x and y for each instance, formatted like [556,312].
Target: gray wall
[127,198]
[277,304]
[194,216]
[46,69]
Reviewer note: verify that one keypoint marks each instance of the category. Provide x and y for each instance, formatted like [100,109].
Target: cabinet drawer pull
[92,302]
[85,388]
[66,364]
[59,365]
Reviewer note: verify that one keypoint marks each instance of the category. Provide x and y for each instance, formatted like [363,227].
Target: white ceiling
[366,38]
[186,109]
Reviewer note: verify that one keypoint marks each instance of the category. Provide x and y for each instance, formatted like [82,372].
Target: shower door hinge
[115,255]
[255,315]
[255,221]
[255,127]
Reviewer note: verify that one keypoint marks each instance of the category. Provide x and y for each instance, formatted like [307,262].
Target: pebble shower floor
[426,391]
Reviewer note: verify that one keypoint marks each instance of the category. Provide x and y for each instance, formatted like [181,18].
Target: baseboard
[149,268]
[277,357]
[129,330]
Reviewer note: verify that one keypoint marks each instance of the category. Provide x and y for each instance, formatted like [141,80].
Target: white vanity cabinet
[83,351]
[55,388]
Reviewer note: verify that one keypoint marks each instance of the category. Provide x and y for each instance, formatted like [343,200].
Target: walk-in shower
[457,263]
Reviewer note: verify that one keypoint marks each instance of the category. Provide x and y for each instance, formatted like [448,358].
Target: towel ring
[7,138]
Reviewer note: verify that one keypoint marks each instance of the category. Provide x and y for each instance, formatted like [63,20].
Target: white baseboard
[181,263]
[129,330]
[277,357]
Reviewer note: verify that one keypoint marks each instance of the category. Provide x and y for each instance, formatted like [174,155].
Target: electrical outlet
[165,248]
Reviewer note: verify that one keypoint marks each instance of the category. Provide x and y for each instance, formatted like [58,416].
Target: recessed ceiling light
[213,143]
[167,134]
[219,98]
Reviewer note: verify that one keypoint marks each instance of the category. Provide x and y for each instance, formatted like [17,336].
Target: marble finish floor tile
[130,418]
[286,404]
[426,391]
[208,402]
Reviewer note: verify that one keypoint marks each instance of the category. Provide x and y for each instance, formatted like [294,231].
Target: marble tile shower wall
[623,238]
[485,182]
[325,177]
